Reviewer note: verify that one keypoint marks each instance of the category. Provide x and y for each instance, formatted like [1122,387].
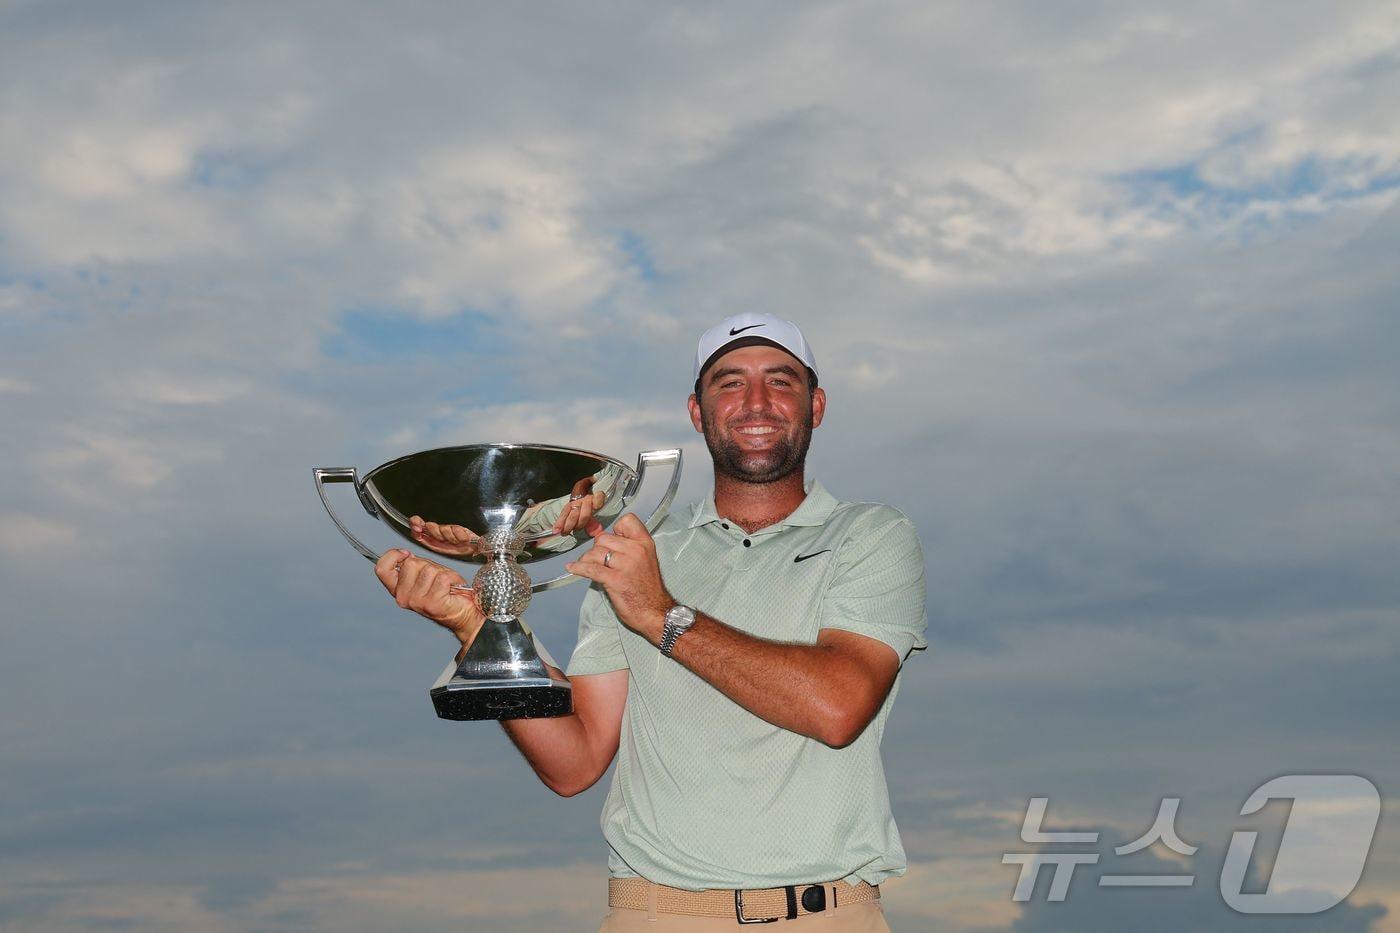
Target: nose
[756,396]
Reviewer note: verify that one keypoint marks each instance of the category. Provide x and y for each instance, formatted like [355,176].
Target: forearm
[813,690]
[828,691]
[569,753]
[558,750]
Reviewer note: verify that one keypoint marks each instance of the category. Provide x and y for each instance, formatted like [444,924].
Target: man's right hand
[426,588]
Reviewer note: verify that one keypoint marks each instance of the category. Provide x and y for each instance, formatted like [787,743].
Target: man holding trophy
[740,663]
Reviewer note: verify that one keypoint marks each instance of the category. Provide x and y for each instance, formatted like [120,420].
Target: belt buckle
[739,907]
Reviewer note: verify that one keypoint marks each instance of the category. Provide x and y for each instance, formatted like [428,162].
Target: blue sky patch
[1308,176]
[377,336]
[228,170]
[638,255]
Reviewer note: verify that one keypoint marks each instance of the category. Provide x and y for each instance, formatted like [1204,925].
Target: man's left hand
[624,563]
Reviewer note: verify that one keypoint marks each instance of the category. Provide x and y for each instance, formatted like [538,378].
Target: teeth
[758,430]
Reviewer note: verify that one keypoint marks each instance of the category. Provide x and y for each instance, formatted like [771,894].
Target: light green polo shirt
[708,795]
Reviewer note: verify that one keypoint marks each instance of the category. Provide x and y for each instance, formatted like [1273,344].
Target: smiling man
[740,665]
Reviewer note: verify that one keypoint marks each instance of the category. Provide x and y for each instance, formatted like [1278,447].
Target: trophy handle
[326,475]
[670,456]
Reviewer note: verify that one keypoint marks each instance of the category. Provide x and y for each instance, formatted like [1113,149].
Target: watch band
[679,619]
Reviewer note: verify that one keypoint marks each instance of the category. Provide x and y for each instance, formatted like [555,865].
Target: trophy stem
[502,675]
[504,649]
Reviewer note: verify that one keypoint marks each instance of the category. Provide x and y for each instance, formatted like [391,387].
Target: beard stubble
[781,460]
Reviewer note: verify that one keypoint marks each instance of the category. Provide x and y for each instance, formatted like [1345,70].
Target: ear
[694,405]
[818,406]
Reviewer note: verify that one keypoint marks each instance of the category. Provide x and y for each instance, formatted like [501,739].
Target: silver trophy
[500,506]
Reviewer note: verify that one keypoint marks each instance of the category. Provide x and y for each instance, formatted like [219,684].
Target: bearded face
[781,451]
[757,412]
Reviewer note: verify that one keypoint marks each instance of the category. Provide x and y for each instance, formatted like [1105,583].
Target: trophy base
[505,674]
[465,701]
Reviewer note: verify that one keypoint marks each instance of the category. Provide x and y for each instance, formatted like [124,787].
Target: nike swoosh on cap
[740,330]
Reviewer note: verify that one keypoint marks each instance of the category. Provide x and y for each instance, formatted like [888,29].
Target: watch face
[678,620]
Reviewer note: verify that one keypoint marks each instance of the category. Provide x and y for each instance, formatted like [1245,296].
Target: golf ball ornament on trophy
[499,505]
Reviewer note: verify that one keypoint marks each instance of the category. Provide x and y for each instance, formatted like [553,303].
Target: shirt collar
[814,510]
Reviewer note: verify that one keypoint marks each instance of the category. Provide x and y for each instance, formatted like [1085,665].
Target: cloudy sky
[1105,297]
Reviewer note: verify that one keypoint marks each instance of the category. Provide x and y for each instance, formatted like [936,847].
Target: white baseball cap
[750,327]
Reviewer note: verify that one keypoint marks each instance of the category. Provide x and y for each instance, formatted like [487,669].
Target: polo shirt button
[747,542]
[724,525]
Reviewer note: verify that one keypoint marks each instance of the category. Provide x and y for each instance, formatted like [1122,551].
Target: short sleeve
[877,585]
[599,647]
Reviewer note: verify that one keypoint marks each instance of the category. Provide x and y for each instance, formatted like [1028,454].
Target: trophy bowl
[500,506]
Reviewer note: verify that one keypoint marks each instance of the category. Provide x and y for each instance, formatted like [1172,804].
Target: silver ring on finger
[607,559]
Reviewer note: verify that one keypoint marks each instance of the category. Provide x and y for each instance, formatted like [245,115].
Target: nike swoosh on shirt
[740,330]
[801,557]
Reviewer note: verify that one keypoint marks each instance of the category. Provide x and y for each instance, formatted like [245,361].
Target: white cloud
[487,227]
[12,386]
[170,389]
[374,901]
[34,535]
[65,906]
[91,165]
[98,468]
[105,186]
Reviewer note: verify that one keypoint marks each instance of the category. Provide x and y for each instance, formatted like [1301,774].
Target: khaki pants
[865,917]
